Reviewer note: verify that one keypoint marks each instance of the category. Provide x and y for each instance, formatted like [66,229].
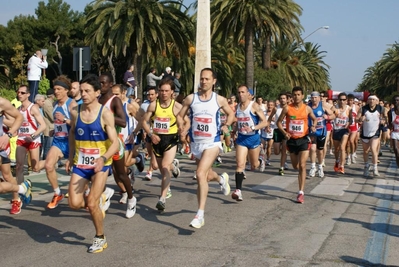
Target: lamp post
[256,82]
[322,27]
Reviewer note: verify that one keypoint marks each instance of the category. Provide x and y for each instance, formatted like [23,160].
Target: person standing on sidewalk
[36,63]
[297,132]
[250,120]
[92,143]
[164,135]
[204,130]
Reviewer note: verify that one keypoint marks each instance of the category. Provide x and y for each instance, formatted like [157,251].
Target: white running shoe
[237,195]
[197,222]
[320,172]
[375,172]
[148,176]
[109,192]
[131,208]
[268,162]
[312,172]
[176,162]
[99,244]
[225,188]
[123,199]
[348,161]
[353,159]
[366,171]
[286,167]
[262,165]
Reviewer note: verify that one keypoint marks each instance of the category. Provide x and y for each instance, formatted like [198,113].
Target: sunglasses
[22,93]
[342,99]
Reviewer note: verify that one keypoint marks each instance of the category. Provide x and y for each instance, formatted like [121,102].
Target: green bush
[8,94]
[44,85]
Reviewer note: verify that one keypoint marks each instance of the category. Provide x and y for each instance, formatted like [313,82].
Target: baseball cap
[251,92]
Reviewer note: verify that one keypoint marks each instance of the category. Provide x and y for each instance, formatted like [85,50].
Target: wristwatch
[33,136]
[10,135]
[64,120]
[253,128]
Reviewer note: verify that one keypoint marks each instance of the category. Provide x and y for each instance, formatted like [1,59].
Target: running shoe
[286,167]
[380,153]
[353,159]
[16,206]
[219,159]
[175,171]
[300,198]
[195,175]
[225,187]
[281,171]
[131,175]
[341,170]
[148,176]
[108,192]
[197,222]
[366,171]
[268,162]
[55,201]
[320,172]
[169,194]
[187,150]
[176,162]
[237,195]
[27,197]
[262,164]
[375,172]
[160,205]
[131,208]
[140,165]
[312,172]
[99,244]
[336,167]
[123,199]
[348,161]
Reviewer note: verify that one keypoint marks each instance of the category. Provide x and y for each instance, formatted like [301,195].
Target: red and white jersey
[395,125]
[29,124]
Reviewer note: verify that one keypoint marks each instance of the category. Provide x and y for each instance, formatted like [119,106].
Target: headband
[373,97]
[315,94]
[61,83]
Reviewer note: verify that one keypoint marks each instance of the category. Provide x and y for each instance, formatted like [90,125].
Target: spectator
[168,74]
[49,120]
[35,65]
[129,80]
[152,78]
[177,83]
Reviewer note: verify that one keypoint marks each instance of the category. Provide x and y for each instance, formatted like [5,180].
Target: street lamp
[322,27]
[256,82]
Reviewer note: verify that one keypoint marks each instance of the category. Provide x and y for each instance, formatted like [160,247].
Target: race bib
[297,128]
[86,157]
[340,122]
[320,123]
[242,123]
[202,127]
[161,125]
[60,129]
[396,124]
[24,129]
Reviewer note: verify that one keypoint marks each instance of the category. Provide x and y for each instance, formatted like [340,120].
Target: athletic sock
[21,189]
[200,213]
[57,191]
[239,179]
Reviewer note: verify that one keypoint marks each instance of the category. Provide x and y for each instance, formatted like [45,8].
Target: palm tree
[139,30]
[254,21]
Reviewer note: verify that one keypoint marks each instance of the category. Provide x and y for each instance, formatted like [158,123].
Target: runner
[296,132]
[343,118]
[60,146]
[322,112]
[74,93]
[250,119]
[114,104]
[279,141]
[267,133]
[164,135]
[29,141]
[371,117]
[393,118]
[353,131]
[11,120]
[205,125]
[93,141]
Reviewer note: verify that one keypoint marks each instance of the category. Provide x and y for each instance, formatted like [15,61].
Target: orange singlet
[297,121]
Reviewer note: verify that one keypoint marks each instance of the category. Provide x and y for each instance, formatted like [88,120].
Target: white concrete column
[203,40]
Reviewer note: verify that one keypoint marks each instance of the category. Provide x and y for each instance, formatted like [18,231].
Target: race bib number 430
[202,126]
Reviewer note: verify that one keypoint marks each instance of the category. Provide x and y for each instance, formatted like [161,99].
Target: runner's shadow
[43,233]
[363,262]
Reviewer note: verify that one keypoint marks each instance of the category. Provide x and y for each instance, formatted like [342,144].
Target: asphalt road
[346,220]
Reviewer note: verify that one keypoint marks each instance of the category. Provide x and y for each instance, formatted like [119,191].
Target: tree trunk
[249,55]
[267,53]
[111,66]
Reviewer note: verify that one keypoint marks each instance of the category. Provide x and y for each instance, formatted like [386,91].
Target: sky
[359,32]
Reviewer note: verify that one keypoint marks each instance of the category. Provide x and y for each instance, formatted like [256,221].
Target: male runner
[297,135]
[204,133]
[92,143]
